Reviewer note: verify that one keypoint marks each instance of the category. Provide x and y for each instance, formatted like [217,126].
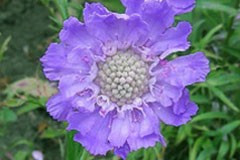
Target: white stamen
[123,77]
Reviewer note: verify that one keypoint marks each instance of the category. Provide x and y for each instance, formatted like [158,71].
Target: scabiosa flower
[115,84]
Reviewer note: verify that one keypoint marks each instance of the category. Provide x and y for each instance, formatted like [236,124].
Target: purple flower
[37,155]
[115,85]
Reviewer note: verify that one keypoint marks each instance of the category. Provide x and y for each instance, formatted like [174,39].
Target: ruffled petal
[119,131]
[136,142]
[182,6]
[122,151]
[53,61]
[173,40]
[184,70]
[93,9]
[82,122]
[85,99]
[97,9]
[150,123]
[144,132]
[179,113]
[82,62]
[81,92]
[132,6]
[59,61]
[178,6]
[96,140]
[159,17]
[116,31]
[74,34]
[58,107]
[163,92]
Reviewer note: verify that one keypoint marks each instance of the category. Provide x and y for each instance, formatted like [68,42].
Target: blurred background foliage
[28,26]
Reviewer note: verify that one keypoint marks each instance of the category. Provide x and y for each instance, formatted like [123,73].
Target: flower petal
[59,61]
[164,92]
[53,61]
[122,151]
[173,40]
[182,6]
[135,142]
[82,93]
[150,123]
[82,122]
[159,17]
[142,135]
[95,140]
[119,131]
[92,9]
[179,113]
[73,94]
[157,14]
[74,34]
[179,6]
[132,6]
[58,107]
[82,62]
[184,70]
[117,31]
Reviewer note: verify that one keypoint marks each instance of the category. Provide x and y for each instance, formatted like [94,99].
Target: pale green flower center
[123,77]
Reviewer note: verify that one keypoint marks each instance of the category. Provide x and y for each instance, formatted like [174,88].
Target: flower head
[115,84]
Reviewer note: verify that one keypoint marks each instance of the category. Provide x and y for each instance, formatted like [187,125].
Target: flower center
[123,77]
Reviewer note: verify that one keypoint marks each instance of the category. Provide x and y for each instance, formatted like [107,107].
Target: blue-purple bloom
[115,84]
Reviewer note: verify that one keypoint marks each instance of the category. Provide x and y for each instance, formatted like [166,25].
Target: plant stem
[84,155]
[230,26]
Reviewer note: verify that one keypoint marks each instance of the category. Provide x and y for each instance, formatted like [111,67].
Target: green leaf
[196,27]
[28,107]
[200,99]
[56,21]
[53,133]
[223,79]
[7,115]
[224,147]
[233,147]
[4,47]
[217,92]
[232,51]
[114,5]
[206,153]
[84,155]
[149,154]
[216,6]
[14,102]
[196,147]
[23,142]
[208,38]
[183,133]
[21,155]
[62,6]
[73,149]
[228,128]
[209,115]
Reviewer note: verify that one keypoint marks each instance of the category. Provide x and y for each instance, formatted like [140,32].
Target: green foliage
[213,133]
[73,149]
[7,115]
[4,46]
[21,155]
